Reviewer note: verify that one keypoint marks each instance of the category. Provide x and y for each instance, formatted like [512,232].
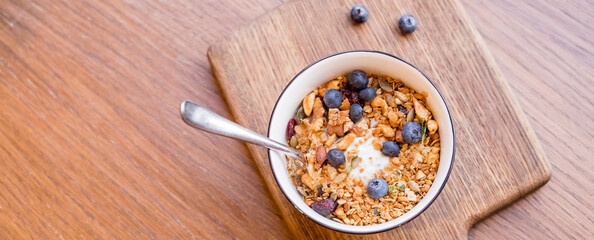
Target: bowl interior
[341,64]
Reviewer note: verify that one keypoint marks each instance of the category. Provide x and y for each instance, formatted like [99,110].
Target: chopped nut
[345,105]
[334,84]
[321,154]
[367,109]
[379,102]
[308,103]
[432,126]
[420,175]
[398,136]
[335,129]
[306,179]
[348,126]
[421,111]
[340,213]
[346,142]
[340,178]
[386,130]
[413,186]
[390,100]
[330,140]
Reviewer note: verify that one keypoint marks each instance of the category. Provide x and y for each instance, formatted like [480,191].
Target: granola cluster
[334,191]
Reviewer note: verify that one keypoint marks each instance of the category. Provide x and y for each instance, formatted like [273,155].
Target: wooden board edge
[545,168]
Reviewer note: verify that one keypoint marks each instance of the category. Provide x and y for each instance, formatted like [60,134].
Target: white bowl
[342,63]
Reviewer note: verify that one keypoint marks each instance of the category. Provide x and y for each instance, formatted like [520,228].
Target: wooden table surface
[92,145]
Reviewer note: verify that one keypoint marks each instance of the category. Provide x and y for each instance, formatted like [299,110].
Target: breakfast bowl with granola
[376,141]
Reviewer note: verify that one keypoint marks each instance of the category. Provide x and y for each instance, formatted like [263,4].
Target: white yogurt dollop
[370,160]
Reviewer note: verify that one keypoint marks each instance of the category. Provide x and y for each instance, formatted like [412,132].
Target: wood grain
[92,146]
[497,157]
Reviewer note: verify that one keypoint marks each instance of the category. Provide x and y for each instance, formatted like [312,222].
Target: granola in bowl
[371,148]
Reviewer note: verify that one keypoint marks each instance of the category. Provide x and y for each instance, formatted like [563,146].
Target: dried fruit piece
[290,129]
[324,207]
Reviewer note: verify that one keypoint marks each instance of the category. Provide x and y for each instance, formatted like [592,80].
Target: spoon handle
[204,119]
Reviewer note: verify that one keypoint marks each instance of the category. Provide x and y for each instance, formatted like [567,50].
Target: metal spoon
[204,119]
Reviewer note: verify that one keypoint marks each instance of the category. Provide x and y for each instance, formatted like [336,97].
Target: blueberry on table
[377,188]
[355,113]
[367,94]
[390,149]
[324,207]
[359,13]
[411,132]
[357,80]
[332,98]
[335,157]
[407,23]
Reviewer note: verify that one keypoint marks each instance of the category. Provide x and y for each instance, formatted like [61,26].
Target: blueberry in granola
[411,132]
[377,188]
[355,113]
[359,13]
[332,98]
[367,94]
[357,80]
[335,157]
[390,149]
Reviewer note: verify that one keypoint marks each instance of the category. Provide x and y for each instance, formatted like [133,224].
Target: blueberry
[367,94]
[407,23]
[390,149]
[359,13]
[324,207]
[357,80]
[402,109]
[377,188]
[356,113]
[411,132]
[332,98]
[335,157]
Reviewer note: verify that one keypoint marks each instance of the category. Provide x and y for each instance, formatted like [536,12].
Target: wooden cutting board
[498,158]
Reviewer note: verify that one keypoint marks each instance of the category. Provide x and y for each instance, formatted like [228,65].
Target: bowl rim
[447,110]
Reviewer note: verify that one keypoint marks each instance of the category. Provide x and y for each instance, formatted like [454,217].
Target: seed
[302,191]
[411,115]
[401,96]
[293,142]
[333,195]
[340,178]
[337,220]
[299,115]
[386,86]
[355,162]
